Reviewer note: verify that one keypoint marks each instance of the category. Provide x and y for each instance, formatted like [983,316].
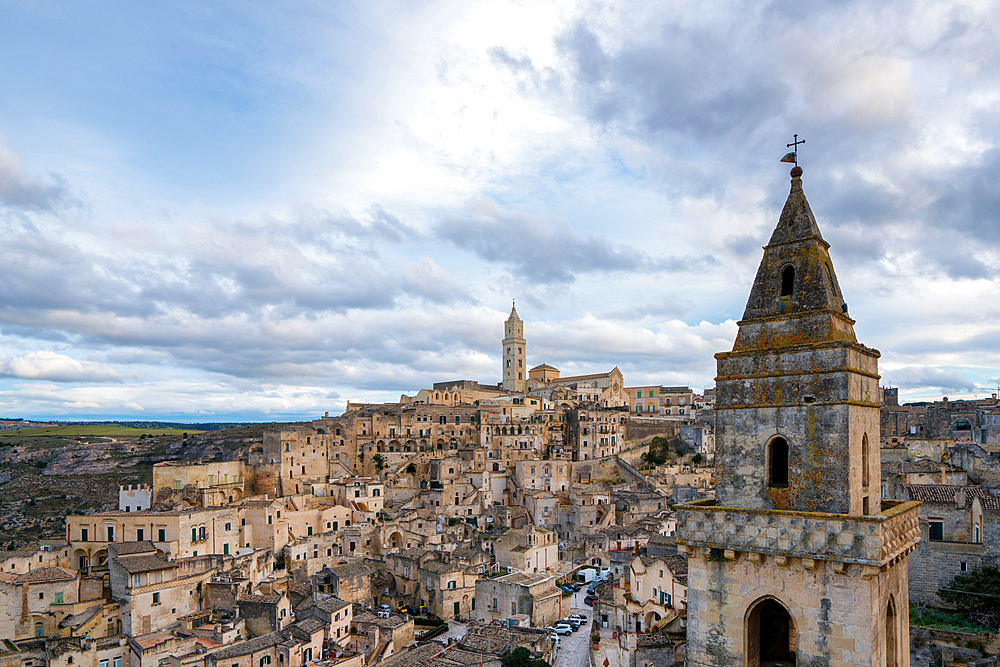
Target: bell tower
[797,561]
[514,369]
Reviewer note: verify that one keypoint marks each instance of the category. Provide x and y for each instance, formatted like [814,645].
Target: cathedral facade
[798,560]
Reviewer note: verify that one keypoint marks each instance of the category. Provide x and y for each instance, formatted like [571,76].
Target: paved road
[574,650]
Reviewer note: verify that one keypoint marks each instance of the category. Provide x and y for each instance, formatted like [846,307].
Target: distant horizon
[305,417]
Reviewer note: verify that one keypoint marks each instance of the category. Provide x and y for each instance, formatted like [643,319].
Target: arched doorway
[396,540]
[769,635]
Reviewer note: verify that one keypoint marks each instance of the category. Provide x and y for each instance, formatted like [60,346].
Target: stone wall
[872,540]
[934,564]
[839,617]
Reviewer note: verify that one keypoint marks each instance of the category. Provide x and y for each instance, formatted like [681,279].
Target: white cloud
[55,367]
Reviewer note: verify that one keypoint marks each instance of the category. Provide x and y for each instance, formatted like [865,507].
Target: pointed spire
[513,312]
[796,275]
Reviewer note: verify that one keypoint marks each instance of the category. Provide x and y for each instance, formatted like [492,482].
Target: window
[111,533]
[104,663]
[177,484]
[162,535]
[265,660]
[937,530]
[225,549]
[963,566]
[229,526]
[59,598]
[117,662]
[140,535]
[866,474]
[41,596]
[787,280]
[39,630]
[84,535]
[269,519]
[309,530]
[451,585]
[137,580]
[156,598]
[777,463]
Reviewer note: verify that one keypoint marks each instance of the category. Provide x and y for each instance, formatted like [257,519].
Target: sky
[252,211]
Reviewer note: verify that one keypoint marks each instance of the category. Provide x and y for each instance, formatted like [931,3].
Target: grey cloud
[926,377]
[551,251]
[19,190]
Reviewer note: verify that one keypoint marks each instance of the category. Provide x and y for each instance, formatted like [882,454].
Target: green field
[105,431]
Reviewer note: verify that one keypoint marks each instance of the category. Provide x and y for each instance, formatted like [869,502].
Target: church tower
[515,368]
[798,560]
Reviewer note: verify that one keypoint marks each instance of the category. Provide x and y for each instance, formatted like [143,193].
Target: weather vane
[793,157]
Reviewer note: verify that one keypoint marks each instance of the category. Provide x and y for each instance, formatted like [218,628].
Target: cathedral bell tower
[514,370]
[798,560]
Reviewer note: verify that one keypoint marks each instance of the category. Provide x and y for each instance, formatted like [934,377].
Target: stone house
[542,475]
[447,588]
[336,614]
[152,592]
[292,647]
[531,549]
[518,593]
[87,652]
[26,558]
[654,593]
[378,636]
[265,613]
[351,582]
[26,600]
[920,471]
[366,493]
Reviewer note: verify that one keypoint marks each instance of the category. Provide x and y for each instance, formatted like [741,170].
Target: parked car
[589,601]
[580,617]
[573,623]
[575,587]
[563,628]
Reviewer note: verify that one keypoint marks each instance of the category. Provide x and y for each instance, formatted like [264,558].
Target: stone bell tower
[515,370]
[798,560]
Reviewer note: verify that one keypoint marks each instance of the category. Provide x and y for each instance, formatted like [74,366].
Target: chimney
[960,498]
[944,473]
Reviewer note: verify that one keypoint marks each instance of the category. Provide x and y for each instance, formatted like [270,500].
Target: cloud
[55,367]
[19,190]
[925,377]
[550,251]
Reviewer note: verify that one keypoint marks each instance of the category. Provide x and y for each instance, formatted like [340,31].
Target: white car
[563,629]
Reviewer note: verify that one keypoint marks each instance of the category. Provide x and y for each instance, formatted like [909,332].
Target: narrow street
[574,649]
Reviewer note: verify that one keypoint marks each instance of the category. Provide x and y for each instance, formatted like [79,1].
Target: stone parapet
[876,540]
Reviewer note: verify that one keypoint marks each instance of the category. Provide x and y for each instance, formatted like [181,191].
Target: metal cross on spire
[794,155]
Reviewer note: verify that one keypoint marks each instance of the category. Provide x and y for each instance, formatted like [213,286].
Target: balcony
[874,540]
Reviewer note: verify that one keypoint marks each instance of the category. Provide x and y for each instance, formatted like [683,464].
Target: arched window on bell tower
[777,462]
[787,280]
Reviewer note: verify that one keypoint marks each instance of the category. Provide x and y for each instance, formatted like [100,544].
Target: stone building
[531,549]
[798,561]
[518,594]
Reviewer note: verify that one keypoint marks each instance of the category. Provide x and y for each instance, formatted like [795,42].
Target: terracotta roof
[941,493]
[249,646]
[332,604]
[273,598]
[126,548]
[990,502]
[133,564]
[43,574]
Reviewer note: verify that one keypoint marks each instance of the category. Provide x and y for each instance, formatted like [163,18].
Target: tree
[379,462]
[696,459]
[521,657]
[977,593]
